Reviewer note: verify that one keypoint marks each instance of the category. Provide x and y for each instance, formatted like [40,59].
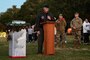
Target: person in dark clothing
[42,17]
[35,36]
[82,35]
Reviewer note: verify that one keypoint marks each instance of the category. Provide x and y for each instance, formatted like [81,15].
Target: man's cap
[76,13]
[46,5]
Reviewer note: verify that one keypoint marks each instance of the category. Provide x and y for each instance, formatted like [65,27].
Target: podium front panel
[49,38]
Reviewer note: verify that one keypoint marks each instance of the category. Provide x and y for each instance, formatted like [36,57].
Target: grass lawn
[62,54]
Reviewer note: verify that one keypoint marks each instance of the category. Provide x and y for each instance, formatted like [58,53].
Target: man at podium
[42,17]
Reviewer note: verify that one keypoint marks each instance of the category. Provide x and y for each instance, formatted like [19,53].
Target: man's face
[45,9]
[86,21]
[60,17]
[76,15]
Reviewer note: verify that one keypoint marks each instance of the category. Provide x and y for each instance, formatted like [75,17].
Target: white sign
[17,46]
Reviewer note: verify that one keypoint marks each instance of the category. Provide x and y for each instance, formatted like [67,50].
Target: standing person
[41,17]
[60,24]
[55,32]
[30,31]
[76,25]
[85,31]
[34,34]
[82,35]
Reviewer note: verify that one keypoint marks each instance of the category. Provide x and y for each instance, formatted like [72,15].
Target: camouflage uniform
[60,36]
[77,23]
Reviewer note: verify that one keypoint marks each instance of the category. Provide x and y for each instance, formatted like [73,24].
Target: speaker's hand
[48,17]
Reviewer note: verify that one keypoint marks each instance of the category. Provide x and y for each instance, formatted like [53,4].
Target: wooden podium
[48,27]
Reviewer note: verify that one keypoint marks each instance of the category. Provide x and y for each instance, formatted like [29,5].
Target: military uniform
[77,23]
[60,36]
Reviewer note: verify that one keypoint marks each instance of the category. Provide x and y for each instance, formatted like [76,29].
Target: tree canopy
[30,8]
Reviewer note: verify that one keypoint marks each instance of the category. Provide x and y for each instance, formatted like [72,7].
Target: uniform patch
[42,17]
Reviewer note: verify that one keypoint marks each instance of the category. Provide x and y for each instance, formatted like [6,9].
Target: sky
[5,4]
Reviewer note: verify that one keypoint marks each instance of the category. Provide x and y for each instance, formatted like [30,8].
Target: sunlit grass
[62,54]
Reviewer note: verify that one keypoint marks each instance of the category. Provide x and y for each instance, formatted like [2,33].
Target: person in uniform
[60,36]
[76,25]
[41,17]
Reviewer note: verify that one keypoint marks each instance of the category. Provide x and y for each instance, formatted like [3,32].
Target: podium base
[17,56]
[48,54]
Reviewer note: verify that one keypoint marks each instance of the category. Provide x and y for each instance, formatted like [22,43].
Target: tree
[9,15]
[30,8]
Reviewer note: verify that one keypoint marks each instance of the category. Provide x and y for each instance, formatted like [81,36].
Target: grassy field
[62,54]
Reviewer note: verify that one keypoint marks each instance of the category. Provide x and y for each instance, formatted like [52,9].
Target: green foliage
[9,15]
[30,9]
